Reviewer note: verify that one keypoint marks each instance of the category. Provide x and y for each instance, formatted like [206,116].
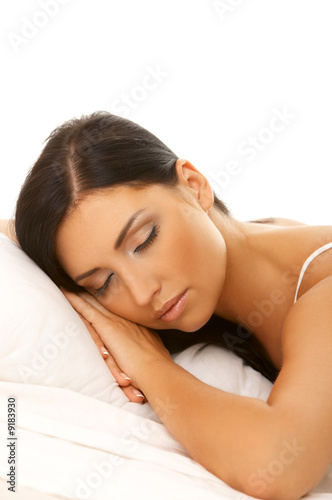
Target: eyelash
[143,246]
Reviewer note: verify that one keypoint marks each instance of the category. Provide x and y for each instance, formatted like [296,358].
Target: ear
[197,185]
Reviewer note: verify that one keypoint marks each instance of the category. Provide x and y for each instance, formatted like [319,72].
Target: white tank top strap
[307,262]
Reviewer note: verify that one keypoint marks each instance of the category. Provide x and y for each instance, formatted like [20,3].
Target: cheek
[201,255]
[189,248]
[119,306]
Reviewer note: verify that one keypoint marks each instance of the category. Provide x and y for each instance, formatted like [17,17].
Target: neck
[249,268]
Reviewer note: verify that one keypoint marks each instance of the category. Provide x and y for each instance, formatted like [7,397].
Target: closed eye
[152,236]
[140,248]
[102,289]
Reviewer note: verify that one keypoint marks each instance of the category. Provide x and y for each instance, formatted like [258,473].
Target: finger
[95,337]
[121,378]
[94,302]
[134,395]
[88,314]
[91,314]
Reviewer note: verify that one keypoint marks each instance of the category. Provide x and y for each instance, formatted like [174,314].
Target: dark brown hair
[94,152]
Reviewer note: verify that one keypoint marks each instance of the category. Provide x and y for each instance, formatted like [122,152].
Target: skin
[143,281]
[232,264]
[232,269]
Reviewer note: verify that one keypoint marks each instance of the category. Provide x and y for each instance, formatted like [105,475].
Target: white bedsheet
[74,446]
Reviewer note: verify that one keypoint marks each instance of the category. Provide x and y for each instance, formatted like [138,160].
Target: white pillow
[45,342]
[224,370]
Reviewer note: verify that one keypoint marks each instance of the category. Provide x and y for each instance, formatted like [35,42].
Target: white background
[224,69]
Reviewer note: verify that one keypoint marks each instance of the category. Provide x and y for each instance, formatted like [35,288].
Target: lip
[172,308]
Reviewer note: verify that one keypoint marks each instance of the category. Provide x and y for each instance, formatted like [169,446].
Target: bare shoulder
[279,221]
[302,391]
[7,228]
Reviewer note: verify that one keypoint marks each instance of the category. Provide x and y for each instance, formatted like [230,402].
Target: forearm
[254,446]
[231,436]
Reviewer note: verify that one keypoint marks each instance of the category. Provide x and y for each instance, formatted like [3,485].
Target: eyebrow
[85,275]
[117,244]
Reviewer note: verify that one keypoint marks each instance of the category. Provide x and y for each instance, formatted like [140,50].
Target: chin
[192,325]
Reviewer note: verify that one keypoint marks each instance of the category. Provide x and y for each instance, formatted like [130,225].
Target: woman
[140,244]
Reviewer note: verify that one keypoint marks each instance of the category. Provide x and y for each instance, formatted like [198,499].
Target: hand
[132,393]
[129,345]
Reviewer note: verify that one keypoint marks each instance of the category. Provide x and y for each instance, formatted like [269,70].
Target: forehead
[117,202]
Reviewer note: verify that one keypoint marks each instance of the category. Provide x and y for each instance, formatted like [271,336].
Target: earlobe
[198,185]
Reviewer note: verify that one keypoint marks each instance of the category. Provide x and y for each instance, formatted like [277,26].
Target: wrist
[153,368]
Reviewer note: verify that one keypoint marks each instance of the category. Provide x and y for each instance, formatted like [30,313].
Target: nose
[142,286]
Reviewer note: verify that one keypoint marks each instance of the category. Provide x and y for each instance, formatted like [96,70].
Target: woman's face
[171,246]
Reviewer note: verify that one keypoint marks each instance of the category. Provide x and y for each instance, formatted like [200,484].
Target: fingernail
[137,393]
[125,376]
[104,350]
